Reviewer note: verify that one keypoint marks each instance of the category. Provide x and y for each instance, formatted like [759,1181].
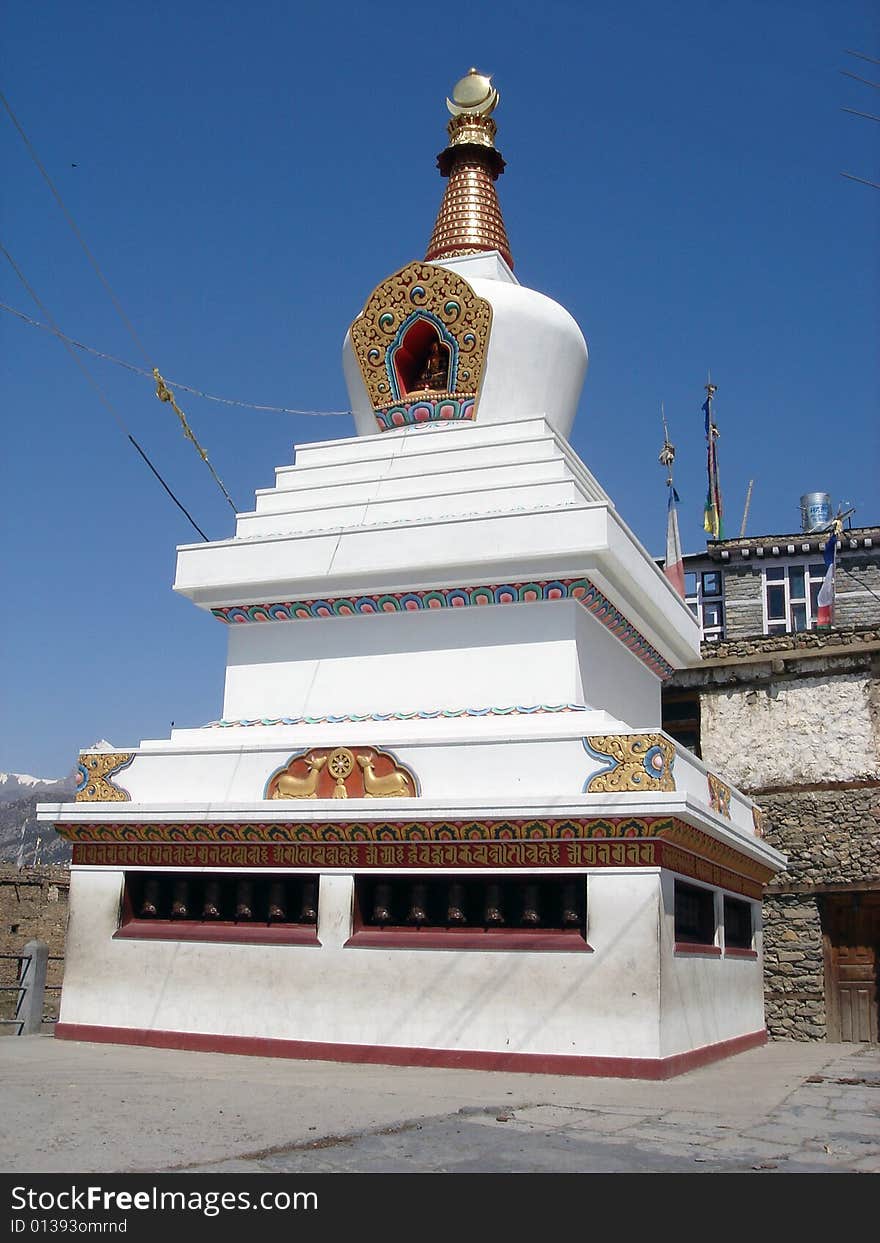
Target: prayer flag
[674,565]
[825,599]
[712,521]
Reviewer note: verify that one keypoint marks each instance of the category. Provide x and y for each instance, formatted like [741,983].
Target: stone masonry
[33,905]
[794,720]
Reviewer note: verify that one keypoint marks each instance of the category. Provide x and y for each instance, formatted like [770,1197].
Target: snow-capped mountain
[23,839]
[15,786]
[19,785]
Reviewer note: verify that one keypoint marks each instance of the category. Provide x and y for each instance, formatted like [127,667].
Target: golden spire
[469,220]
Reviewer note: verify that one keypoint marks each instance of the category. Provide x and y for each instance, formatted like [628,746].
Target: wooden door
[851,928]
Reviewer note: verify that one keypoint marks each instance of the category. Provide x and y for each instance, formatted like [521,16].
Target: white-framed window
[790,596]
[704,595]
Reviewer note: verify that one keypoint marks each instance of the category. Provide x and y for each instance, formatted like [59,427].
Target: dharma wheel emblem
[340,764]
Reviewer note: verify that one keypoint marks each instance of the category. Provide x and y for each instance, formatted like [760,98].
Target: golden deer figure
[392,785]
[301,787]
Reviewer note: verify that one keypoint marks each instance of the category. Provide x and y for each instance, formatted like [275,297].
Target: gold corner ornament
[719,795]
[341,773]
[95,771]
[633,762]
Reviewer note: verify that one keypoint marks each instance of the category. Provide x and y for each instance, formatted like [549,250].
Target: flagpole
[712,517]
[673,566]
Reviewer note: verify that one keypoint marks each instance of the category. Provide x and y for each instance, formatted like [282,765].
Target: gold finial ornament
[473,93]
[469,221]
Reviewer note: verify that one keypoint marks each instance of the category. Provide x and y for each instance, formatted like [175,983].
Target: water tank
[815,510]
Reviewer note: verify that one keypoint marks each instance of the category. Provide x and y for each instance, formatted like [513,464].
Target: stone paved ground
[786,1107]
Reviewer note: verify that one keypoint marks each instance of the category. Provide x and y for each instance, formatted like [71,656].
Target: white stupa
[438,821]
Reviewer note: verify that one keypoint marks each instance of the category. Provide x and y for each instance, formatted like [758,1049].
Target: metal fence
[23,1004]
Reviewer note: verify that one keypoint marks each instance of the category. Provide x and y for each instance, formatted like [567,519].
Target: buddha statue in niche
[433,375]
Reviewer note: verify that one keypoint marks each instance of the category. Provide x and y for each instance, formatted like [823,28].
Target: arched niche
[423,357]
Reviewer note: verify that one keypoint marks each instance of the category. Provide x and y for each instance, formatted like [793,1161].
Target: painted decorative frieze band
[719,795]
[636,762]
[426,410]
[421,714]
[599,828]
[428,855]
[337,772]
[580,589]
[94,772]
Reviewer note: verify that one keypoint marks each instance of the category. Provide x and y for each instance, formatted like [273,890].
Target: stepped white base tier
[447,645]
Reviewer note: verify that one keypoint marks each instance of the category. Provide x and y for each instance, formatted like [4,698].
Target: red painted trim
[686,947]
[246,934]
[469,939]
[735,951]
[385,1055]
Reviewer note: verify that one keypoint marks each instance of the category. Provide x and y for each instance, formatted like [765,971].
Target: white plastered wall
[705,999]
[603,1003]
[789,732]
[495,656]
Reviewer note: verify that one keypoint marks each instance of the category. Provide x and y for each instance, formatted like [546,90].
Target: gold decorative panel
[758,820]
[636,762]
[95,771]
[450,325]
[719,795]
[342,772]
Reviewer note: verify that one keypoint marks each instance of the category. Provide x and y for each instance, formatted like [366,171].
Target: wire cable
[101,394]
[70,220]
[103,279]
[187,388]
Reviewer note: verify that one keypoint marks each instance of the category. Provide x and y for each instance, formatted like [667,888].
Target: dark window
[538,912]
[681,718]
[737,924]
[798,617]
[713,615]
[711,583]
[776,602]
[694,914]
[190,906]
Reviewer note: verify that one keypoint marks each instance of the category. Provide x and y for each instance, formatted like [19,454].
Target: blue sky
[247,174]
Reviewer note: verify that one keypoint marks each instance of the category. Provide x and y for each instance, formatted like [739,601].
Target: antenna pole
[742,529]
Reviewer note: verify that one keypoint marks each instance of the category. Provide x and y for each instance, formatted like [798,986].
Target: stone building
[792,715]
[33,906]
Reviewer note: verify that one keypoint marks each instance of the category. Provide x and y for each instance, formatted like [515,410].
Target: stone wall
[792,730]
[794,969]
[795,721]
[831,838]
[857,588]
[33,905]
[838,642]
[790,710]
[743,602]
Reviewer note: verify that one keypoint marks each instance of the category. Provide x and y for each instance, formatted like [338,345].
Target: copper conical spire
[470,220]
